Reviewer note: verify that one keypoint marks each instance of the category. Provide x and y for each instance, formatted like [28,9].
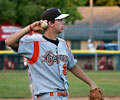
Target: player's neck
[51,35]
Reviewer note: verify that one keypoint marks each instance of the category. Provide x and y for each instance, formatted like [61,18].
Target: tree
[107,2]
[7,11]
[25,12]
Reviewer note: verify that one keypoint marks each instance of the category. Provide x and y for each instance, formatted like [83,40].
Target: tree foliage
[7,12]
[107,2]
[25,12]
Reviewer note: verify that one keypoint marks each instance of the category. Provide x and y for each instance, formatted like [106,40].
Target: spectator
[101,46]
[103,63]
[90,45]
[88,65]
[109,64]
[9,64]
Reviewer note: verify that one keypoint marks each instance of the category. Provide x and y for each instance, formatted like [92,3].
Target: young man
[31,85]
[49,57]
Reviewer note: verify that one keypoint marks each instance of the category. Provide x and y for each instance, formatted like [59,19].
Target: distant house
[106,21]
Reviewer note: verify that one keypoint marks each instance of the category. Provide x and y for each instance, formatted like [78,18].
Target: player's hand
[93,86]
[36,26]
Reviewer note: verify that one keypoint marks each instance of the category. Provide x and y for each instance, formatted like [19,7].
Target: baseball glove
[96,94]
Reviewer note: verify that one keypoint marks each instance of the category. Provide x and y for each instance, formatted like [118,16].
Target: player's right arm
[13,40]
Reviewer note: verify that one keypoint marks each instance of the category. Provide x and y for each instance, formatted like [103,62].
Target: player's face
[59,25]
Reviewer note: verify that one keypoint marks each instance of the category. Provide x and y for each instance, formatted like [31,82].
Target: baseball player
[31,85]
[49,57]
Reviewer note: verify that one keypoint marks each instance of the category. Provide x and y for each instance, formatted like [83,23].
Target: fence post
[118,39]
[96,62]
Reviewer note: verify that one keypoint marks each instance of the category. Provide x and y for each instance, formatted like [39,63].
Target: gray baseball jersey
[48,63]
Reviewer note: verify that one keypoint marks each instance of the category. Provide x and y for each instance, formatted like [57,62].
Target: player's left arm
[77,71]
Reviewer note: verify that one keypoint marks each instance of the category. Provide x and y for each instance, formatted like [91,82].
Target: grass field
[14,84]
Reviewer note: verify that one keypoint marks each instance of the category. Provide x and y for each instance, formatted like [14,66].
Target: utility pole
[118,39]
[91,19]
[91,31]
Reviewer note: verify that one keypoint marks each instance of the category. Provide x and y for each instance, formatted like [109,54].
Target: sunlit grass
[15,84]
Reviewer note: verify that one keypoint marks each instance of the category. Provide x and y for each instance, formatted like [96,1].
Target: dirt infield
[113,98]
[116,98]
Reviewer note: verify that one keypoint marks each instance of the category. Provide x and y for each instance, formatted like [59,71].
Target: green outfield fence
[8,57]
[81,55]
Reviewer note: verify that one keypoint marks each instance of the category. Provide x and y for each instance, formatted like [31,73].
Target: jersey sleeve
[25,48]
[71,60]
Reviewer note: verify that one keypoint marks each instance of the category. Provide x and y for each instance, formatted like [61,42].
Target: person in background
[109,64]
[101,46]
[91,45]
[9,64]
[103,63]
[88,65]
[31,85]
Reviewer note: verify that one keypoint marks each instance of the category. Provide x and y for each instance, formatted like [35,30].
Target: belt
[51,94]
[58,94]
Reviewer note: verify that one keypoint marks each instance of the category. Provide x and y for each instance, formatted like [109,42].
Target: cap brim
[62,16]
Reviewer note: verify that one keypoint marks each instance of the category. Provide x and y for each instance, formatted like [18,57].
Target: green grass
[109,81]
[15,84]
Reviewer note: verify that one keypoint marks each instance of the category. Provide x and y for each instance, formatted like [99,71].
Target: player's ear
[50,23]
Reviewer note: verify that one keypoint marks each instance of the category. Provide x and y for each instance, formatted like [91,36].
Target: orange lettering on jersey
[35,53]
[51,94]
[65,69]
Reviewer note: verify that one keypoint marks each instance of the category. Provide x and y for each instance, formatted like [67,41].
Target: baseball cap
[52,14]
